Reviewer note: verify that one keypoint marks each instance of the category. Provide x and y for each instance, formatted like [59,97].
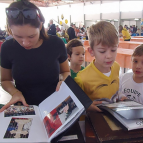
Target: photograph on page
[18,128]
[59,115]
[19,110]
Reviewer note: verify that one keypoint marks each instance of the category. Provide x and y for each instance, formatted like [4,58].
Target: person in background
[65,35]
[62,28]
[134,29]
[87,33]
[125,26]
[131,84]
[57,28]
[71,32]
[124,33]
[52,29]
[2,34]
[75,53]
[138,32]
[100,79]
[33,59]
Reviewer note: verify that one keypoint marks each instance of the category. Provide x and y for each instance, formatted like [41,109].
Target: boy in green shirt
[75,52]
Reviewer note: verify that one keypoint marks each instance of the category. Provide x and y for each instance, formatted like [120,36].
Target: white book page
[129,124]
[54,102]
[37,131]
[123,104]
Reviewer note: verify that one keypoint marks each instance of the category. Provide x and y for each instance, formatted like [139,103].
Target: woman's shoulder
[54,41]
[55,38]
[8,43]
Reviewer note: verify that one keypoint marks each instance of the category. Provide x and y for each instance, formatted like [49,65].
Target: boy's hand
[123,98]
[94,107]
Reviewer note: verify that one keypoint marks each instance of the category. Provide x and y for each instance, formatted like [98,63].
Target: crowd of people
[132,30]
[67,34]
[35,60]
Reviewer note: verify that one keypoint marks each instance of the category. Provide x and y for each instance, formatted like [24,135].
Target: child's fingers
[97,102]
[93,107]
[97,109]
[123,98]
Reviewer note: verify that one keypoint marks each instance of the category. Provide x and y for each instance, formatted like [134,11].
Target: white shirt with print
[129,88]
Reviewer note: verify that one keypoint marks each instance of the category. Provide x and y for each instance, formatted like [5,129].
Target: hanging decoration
[61,22]
[66,21]
[62,16]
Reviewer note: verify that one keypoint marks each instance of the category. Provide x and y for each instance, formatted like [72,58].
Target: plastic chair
[86,43]
[134,34]
[88,57]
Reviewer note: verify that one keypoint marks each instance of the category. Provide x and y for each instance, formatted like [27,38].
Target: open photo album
[47,121]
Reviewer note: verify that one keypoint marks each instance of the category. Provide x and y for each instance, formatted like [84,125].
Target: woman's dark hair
[21,20]
[120,28]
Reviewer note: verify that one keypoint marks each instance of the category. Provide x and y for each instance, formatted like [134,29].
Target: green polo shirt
[73,74]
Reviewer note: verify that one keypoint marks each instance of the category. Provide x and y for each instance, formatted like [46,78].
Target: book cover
[108,129]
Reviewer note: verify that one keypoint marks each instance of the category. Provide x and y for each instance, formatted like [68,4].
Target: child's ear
[90,50]
[69,57]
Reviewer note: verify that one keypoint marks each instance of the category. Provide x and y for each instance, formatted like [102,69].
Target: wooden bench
[137,39]
[134,39]
[138,36]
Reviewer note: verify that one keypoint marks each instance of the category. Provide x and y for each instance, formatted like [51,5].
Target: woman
[32,59]
[124,32]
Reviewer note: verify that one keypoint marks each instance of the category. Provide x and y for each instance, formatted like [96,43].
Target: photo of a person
[19,110]
[18,128]
[66,109]
[59,115]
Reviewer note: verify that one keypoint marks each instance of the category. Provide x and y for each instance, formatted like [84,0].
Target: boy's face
[77,56]
[104,55]
[137,66]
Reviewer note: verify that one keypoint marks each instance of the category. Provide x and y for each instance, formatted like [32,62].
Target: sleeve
[79,81]
[124,33]
[120,93]
[63,52]
[5,56]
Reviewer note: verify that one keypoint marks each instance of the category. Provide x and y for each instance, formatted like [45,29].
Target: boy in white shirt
[131,84]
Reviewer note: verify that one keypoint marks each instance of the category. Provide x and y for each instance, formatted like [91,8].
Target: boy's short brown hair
[103,32]
[138,51]
[71,44]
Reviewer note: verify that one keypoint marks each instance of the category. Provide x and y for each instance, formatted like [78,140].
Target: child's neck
[102,69]
[76,68]
[138,79]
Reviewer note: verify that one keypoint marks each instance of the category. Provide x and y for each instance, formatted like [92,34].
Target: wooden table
[124,57]
[129,44]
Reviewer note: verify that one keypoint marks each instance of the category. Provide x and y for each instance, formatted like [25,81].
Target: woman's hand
[58,85]
[15,98]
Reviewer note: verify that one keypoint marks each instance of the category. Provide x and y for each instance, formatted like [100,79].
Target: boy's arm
[123,34]
[79,81]
[120,94]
